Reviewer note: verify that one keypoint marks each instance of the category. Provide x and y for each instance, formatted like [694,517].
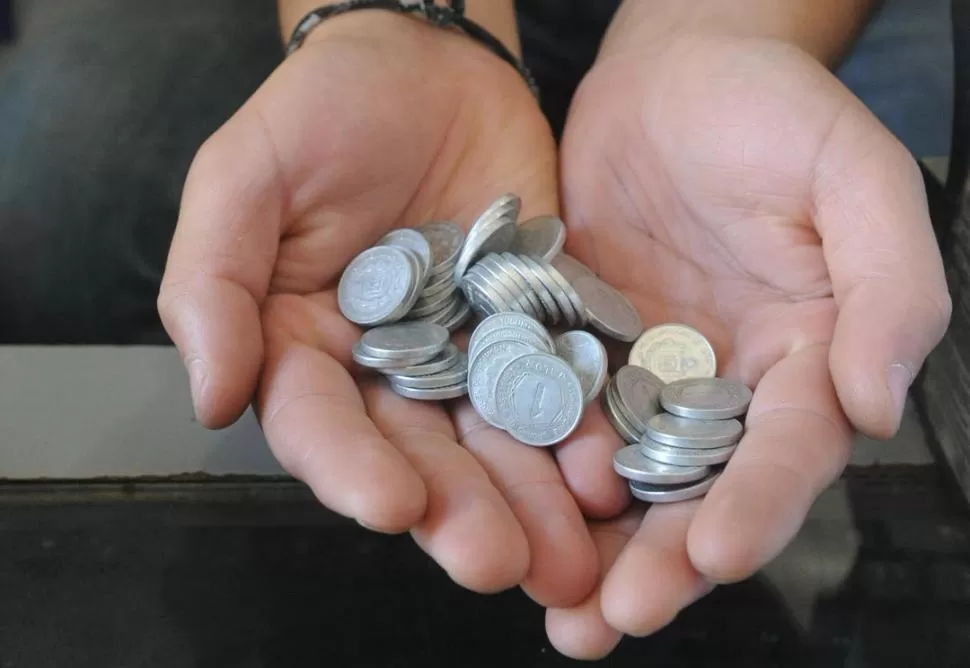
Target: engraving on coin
[706,398]
[533,340]
[509,320]
[413,241]
[638,391]
[543,236]
[673,352]
[587,357]
[375,285]
[630,463]
[608,310]
[683,432]
[539,399]
[672,493]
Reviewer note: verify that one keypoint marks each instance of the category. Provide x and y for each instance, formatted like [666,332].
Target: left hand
[736,186]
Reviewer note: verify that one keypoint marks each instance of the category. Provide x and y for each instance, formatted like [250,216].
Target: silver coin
[405,340]
[543,236]
[458,318]
[630,463]
[509,320]
[376,285]
[496,276]
[669,454]
[493,232]
[587,357]
[453,376]
[574,299]
[539,399]
[384,364]
[483,373]
[512,280]
[570,267]
[608,310]
[706,398]
[555,288]
[673,352]
[549,306]
[682,432]
[615,417]
[638,394]
[446,239]
[672,493]
[436,394]
[412,240]
[443,361]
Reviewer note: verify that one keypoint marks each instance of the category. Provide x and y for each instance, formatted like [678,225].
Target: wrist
[822,28]
[495,16]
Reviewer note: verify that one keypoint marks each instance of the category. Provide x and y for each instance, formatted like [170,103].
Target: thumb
[219,266]
[886,269]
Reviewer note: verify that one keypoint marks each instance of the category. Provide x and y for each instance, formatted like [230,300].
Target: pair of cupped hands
[730,184]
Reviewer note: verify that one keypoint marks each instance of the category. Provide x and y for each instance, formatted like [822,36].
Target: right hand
[377,122]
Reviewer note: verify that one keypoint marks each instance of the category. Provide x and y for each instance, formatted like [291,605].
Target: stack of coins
[534,387]
[418,359]
[682,422]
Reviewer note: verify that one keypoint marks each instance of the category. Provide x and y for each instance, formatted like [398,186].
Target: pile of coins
[682,423]
[416,287]
[534,387]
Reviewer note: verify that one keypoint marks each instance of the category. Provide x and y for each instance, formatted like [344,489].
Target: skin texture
[279,201]
[734,185]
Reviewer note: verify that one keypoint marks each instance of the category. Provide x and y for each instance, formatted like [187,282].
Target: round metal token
[638,394]
[539,399]
[631,463]
[608,310]
[543,236]
[645,491]
[437,394]
[376,285]
[668,454]
[587,356]
[406,340]
[682,432]
[673,352]
[706,398]
[412,240]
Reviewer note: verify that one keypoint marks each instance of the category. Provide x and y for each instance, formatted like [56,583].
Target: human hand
[377,122]
[734,185]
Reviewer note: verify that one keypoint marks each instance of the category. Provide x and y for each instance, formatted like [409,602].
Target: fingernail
[198,376]
[900,378]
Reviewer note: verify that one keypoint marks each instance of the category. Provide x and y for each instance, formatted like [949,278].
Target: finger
[586,463]
[219,267]
[468,528]
[653,579]
[886,269]
[315,420]
[581,632]
[562,556]
[797,442]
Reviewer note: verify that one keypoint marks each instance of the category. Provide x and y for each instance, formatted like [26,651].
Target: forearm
[822,28]
[496,16]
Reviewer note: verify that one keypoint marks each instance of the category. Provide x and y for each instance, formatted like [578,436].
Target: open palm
[377,122]
[737,187]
